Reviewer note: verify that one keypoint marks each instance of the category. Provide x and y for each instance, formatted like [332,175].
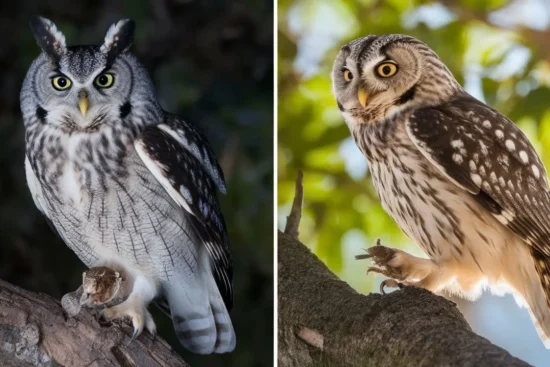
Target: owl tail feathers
[540,314]
[203,327]
[539,299]
[542,329]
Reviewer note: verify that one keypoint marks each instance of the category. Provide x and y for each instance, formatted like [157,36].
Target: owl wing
[181,159]
[487,155]
[37,195]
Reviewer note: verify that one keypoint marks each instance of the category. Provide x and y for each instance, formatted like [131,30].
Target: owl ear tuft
[48,37]
[118,39]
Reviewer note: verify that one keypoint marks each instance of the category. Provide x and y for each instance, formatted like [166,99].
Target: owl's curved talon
[137,332]
[141,322]
[138,314]
[390,283]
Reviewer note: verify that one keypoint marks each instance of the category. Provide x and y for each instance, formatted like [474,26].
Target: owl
[128,185]
[459,178]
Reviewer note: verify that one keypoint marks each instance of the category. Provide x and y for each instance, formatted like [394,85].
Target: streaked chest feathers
[430,209]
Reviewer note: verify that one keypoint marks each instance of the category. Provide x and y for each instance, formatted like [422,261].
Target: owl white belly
[126,218]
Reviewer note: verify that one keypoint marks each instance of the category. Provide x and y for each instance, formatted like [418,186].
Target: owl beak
[83,102]
[362,95]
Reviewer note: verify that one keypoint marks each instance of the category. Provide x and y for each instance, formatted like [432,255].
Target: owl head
[84,88]
[375,77]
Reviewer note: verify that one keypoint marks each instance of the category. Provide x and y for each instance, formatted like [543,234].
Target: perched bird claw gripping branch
[388,263]
[459,178]
[107,290]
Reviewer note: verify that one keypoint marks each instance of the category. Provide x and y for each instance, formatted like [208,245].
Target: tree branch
[35,331]
[293,219]
[322,321]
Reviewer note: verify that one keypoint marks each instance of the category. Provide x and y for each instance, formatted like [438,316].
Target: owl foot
[138,314]
[402,269]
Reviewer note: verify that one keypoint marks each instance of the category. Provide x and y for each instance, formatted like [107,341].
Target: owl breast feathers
[127,185]
[459,178]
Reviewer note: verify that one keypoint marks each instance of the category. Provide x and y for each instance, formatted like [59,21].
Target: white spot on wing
[476,178]
[482,171]
[536,171]
[523,156]
[499,134]
[458,158]
[503,159]
[487,124]
[510,145]
[457,144]
[186,194]
[501,219]
[483,147]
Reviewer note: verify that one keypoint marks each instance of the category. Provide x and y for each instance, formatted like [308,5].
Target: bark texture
[34,331]
[324,322]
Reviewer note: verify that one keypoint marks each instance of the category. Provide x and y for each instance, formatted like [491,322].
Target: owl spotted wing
[182,161]
[486,154]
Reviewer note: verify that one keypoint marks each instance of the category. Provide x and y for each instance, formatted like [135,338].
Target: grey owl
[128,185]
[459,178]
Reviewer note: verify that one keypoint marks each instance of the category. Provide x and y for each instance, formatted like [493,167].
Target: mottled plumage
[128,185]
[459,178]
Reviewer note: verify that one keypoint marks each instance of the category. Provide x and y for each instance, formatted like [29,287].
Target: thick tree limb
[324,322]
[34,331]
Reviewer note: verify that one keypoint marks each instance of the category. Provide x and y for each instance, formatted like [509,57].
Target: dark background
[212,63]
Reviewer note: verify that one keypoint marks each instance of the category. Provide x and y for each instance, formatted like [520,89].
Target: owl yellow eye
[104,80]
[61,83]
[348,76]
[386,69]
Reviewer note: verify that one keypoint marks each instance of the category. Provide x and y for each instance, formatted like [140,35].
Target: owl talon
[137,332]
[391,283]
[139,317]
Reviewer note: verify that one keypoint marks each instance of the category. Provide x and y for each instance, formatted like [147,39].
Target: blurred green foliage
[508,68]
[211,62]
